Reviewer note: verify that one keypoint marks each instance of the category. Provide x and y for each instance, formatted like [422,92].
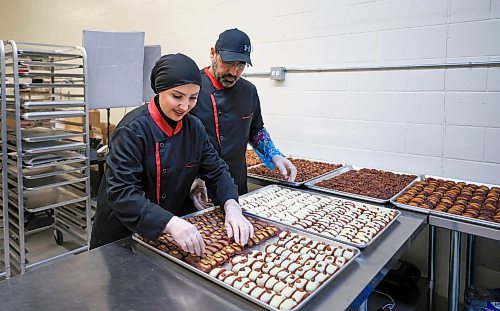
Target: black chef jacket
[231,117]
[150,169]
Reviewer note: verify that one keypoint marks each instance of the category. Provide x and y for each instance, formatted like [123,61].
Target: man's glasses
[238,65]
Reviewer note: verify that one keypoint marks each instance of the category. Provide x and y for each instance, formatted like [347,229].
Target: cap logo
[247,48]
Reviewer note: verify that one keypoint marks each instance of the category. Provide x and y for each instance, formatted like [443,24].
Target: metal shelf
[46,168]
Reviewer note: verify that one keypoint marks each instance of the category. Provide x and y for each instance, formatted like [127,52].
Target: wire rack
[47,143]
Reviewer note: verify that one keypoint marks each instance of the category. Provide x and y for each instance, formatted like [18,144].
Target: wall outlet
[278,73]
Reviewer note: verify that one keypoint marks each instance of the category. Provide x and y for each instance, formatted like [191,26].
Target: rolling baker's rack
[47,142]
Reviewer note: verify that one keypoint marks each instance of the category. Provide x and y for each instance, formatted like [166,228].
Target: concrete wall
[435,121]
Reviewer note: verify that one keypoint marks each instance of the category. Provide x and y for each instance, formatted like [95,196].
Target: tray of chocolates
[281,272]
[252,158]
[307,170]
[453,198]
[353,223]
[367,184]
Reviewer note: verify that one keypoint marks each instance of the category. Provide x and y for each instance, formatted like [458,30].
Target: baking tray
[53,55]
[260,247]
[50,182]
[316,233]
[41,172]
[288,183]
[52,104]
[38,134]
[48,198]
[312,185]
[445,214]
[41,115]
[49,159]
[51,146]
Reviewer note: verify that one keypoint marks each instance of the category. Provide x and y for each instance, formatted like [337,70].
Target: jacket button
[220,113]
[222,137]
[163,196]
[161,144]
[164,171]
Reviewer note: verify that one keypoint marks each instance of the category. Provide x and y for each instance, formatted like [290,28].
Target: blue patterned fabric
[264,147]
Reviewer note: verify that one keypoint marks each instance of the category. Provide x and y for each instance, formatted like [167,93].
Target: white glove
[186,235]
[237,225]
[199,195]
[286,168]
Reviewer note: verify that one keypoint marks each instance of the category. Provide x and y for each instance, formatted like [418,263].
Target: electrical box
[278,73]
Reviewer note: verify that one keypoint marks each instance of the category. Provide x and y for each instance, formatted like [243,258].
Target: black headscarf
[172,70]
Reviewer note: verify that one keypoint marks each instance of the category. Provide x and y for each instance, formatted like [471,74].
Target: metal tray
[50,182]
[53,55]
[316,233]
[51,146]
[49,159]
[445,214]
[38,134]
[345,169]
[260,247]
[42,115]
[35,201]
[48,85]
[41,172]
[52,104]
[288,183]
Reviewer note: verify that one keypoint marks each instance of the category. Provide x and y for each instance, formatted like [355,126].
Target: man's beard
[222,78]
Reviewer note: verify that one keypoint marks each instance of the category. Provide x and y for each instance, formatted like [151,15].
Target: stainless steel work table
[126,276]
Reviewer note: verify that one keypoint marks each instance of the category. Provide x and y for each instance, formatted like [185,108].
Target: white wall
[435,121]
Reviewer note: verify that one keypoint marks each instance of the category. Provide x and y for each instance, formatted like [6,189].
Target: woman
[156,152]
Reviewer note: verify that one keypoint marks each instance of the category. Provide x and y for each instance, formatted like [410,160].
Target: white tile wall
[460,79]
[474,109]
[465,10]
[424,139]
[474,39]
[473,171]
[462,142]
[492,145]
[495,8]
[493,79]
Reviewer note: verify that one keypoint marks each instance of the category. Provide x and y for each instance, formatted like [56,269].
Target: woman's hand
[237,225]
[199,195]
[186,235]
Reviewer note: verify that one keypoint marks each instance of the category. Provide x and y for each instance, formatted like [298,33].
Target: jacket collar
[160,121]
[214,81]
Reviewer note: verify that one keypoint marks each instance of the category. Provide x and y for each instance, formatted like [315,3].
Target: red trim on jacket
[161,122]
[214,81]
[158,172]
[216,117]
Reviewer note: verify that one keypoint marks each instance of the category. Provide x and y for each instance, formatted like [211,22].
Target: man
[229,107]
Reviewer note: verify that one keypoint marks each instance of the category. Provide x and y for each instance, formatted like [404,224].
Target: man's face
[227,73]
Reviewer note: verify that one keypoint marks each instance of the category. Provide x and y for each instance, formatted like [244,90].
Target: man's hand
[186,235]
[237,225]
[286,168]
[199,195]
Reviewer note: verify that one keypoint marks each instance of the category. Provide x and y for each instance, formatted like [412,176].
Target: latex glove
[199,195]
[236,224]
[286,168]
[186,235]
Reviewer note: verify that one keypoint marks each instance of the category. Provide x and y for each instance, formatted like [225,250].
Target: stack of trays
[307,170]
[453,198]
[276,271]
[347,221]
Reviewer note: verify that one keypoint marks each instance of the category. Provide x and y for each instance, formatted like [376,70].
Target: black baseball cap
[234,45]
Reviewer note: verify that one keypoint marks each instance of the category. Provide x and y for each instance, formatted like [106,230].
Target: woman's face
[179,100]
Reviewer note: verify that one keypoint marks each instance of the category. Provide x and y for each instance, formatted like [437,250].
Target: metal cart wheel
[58,236]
